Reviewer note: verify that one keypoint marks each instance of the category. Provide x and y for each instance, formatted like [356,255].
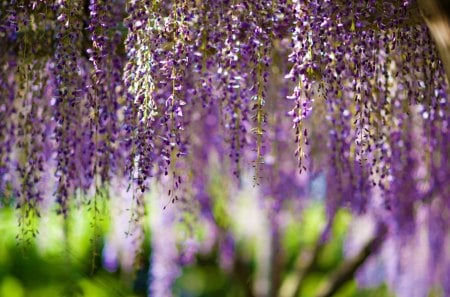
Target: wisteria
[99,95]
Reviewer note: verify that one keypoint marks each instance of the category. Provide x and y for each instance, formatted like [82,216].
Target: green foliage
[54,266]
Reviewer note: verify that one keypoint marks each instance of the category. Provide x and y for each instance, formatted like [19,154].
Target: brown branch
[346,271]
[304,264]
[244,275]
[275,261]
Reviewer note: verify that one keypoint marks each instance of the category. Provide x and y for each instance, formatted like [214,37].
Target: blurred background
[234,256]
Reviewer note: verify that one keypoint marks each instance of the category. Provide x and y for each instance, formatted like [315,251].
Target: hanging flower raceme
[304,71]
[177,31]
[31,101]
[234,102]
[33,115]
[107,86]
[259,49]
[141,107]
[7,126]
[70,106]
[156,79]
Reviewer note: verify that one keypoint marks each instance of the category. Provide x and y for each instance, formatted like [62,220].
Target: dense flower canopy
[94,93]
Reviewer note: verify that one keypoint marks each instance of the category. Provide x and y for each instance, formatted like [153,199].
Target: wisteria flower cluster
[158,92]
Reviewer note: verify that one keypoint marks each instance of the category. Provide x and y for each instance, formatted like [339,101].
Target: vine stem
[345,273]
